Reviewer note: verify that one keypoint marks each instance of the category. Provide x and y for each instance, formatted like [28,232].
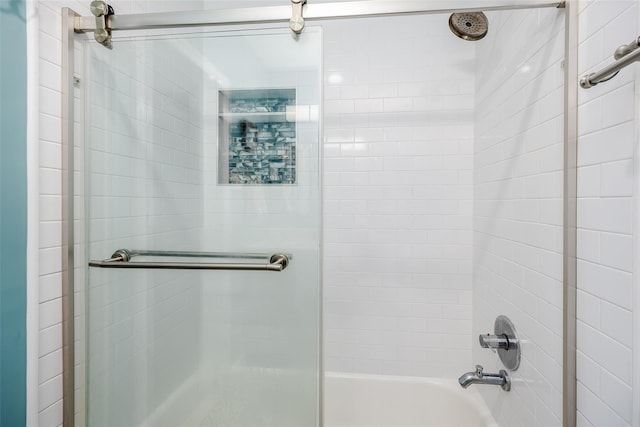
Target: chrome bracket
[296,23]
[102,11]
[624,55]
[626,49]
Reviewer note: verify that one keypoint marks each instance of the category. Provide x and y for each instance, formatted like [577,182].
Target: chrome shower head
[470,26]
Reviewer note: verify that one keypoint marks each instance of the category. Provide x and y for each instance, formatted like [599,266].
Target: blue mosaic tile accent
[262,152]
[260,105]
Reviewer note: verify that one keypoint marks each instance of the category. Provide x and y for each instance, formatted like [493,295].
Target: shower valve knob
[494,341]
[504,341]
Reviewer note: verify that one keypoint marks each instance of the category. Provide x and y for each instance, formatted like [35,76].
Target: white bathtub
[354,400]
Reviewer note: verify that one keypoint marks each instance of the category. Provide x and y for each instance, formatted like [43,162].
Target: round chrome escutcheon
[510,356]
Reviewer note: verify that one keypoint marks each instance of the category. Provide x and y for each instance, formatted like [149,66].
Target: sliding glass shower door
[202,222]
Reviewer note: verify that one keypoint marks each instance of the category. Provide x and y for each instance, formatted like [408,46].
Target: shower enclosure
[194,216]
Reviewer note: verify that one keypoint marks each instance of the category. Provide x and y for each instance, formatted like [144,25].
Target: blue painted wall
[13,212]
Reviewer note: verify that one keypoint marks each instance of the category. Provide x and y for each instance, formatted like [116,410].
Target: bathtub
[355,400]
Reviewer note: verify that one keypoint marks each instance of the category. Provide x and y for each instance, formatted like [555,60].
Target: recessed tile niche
[257,136]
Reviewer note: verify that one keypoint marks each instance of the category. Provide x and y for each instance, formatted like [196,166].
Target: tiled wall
[607,132]
[399,99]
[518,190]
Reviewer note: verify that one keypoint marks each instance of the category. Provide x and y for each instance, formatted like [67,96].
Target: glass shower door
[201,162]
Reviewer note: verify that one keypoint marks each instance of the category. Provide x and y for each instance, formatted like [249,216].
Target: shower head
[470,26]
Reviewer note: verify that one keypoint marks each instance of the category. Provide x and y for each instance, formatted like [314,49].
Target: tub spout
[478,377]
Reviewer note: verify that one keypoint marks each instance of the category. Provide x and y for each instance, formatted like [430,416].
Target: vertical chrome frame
[320,305]
[635,368]
[68,283]
[570,213]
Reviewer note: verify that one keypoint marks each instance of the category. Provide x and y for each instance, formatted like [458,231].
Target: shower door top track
[276,14]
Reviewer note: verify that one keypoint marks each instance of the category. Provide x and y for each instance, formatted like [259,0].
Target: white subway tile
[551,317]
[591,52]
[617,323]
[383,90]
[397,74]
[50,287]
[589,181]
[50,339]
[581,421]
[50,313]
[617,251]
[50,234]
[50,48]
[50,181]
[588,309]
[598,15]
[339,107]
[50,75]
[50,102]
[339,136]
[331,92]
[588,372]
[594,410]
[617,395]
[613,215]
[49,129]
[49,366]
[606,283]
[50,260]
[52,415]
[605,351]
[618,106]
[50,392]
[369,106]
[588,245]
[606,145]
[398,104]
[617,179]
[354,92]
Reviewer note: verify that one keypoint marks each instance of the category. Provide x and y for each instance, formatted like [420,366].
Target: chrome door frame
[311,12]
[570,202]
[68,235]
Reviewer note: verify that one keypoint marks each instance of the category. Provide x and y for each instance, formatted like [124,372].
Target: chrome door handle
[264,262]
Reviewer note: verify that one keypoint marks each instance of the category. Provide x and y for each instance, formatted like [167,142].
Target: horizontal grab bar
[127,254]
[624,56]
[122,257]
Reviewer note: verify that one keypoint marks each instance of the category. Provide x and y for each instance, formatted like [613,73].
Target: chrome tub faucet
[478,377]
